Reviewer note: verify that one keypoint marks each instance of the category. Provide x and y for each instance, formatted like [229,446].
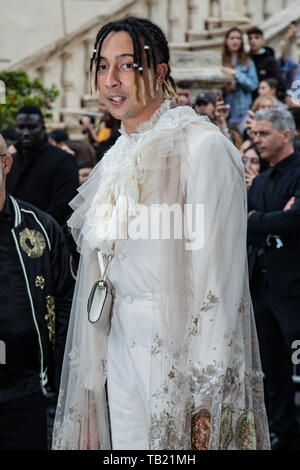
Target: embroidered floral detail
[201,423]
[226,433]
[246,435]
[261,440]
[50,317]
[74,362]
[212,299]
[171,374]
[207,305]
[156,345]
[164,429]
[32,242]
[194,330]
[40,282]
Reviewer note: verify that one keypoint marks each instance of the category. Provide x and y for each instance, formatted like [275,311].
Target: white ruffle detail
[120,180]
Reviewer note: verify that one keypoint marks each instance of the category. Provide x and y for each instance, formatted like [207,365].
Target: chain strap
[110,257]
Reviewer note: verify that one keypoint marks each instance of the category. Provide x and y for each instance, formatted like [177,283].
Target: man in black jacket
[263,57]
[42,174]
[36,290]
[274,258]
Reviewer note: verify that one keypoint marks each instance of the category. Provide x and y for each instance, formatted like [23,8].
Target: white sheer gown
[181,362]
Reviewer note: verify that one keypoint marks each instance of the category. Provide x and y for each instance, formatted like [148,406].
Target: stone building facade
[53,39]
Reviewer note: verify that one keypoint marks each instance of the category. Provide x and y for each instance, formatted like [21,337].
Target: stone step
[226,21]
[212,34]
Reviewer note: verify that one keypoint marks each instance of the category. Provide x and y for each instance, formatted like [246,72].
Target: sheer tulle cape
[206,388]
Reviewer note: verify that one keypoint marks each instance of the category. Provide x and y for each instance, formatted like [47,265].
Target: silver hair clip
[95,50]
[140,69]
[146,47]
[134,65]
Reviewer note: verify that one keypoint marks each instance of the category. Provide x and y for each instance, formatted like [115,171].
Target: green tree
[19,91]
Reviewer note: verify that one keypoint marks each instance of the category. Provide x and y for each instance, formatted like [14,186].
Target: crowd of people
[40,174]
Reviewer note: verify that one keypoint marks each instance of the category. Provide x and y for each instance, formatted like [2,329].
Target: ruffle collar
[148,125]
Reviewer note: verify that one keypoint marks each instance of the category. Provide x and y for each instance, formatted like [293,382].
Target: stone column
[232,8]
[158,13]
[70,98]
[88,45]
[272,7]
[178,17]
[215,9]
[198,13]
[255,11]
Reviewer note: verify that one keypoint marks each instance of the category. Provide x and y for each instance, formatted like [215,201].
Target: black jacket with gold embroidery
[44,258]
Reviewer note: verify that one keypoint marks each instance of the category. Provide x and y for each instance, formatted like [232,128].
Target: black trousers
[23,423]
[278,325]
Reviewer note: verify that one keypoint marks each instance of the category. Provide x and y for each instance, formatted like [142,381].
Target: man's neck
[131,125]
[286,152]
[257,51]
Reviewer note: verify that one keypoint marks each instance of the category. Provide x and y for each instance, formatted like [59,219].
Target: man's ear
[161,72]
[287,135]
[7,162]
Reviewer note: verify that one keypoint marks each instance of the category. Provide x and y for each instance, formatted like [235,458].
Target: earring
[157,87]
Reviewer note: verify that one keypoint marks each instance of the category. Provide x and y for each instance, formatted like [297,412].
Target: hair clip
[134,65]
[95,50]
[146,47]
[140,69]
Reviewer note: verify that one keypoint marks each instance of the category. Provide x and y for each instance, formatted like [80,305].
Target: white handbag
[99,304]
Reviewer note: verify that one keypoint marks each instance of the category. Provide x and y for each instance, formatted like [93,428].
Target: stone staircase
[195,30]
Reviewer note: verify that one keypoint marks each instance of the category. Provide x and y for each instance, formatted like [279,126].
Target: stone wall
[195,30]
[27,26]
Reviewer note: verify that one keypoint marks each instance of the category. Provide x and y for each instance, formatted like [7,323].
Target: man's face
[184,97]
[116,81]
[256,42]
[268,140]
[206,109]
[1,171]
[29,130]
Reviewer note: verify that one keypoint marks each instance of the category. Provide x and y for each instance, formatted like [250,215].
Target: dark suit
[48,179]
[274,268]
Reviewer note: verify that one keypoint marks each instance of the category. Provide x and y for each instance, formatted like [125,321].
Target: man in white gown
[180,368]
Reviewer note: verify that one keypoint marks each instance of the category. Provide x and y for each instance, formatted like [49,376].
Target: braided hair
[155,47]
